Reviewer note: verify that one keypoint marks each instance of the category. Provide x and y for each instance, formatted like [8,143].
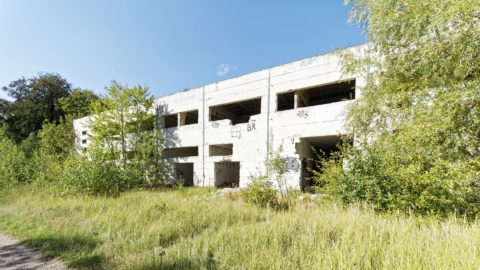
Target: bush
[94,175]
[260,191]
[416,125]
[45,169]
[13,164]
[263,187]
[424,185]
[57,139]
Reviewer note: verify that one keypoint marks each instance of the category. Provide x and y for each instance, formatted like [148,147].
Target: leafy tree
[36,100]
[123,132]
[417,123]
[57,139]
[78,103]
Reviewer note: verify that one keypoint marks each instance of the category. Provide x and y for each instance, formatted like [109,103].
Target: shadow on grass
[74,251]
[182,264]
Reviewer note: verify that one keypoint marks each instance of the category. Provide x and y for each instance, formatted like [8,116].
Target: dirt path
[15,256]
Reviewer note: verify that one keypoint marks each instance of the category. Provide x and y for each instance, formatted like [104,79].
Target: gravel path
[15,256]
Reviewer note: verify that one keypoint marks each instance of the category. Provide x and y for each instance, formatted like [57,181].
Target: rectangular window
[84,141]
[325,94]
[84,133]
[181,152]
[221,150]
[285,101]
[238,112]
[189,118]
[170,120]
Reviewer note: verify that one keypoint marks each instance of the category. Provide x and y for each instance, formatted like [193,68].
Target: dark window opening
[170,120]
[181,152]
[221,150]
[84,141]
[84,132]
[189,118]
[227,174]
[184,174]
[144,125]
[326,94]
[238,112]
[285,101]
[311,151]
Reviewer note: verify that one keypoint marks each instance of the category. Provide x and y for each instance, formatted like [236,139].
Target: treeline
[37,137]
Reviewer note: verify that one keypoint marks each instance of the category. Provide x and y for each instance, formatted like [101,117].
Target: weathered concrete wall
[269,129]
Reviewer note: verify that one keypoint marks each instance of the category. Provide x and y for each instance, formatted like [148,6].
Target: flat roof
[291,62]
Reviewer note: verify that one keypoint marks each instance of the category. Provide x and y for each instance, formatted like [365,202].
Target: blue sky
[166,45]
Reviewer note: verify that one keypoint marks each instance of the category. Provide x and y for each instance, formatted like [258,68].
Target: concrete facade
[224,130]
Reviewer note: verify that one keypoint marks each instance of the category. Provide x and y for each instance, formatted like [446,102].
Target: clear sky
[166,45]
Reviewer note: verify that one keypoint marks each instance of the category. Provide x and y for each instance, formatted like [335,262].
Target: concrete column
[295,100]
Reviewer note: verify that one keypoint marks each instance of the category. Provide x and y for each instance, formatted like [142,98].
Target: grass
[194,229]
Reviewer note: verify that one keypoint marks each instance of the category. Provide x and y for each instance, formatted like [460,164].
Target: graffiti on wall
[251,126]
[236,132]
[302,114]
[306,63]
[291,164]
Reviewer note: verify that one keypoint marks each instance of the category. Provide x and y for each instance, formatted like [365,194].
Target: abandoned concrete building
[220,134]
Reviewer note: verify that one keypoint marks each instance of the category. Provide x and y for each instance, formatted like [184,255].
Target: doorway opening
[310,150]
[227,174]
[184,173]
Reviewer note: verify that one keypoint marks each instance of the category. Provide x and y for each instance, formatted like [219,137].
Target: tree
[36,100]
[417,124]
[78,103]
[123,128]
[57,139]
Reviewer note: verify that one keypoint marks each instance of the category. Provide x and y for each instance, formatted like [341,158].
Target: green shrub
[264,186]
[13,164]
[417,122]
[57,139]
[45,169]
[424,185]
[93,175]
[260,191]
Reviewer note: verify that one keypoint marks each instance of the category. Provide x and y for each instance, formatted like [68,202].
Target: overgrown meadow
[194,228]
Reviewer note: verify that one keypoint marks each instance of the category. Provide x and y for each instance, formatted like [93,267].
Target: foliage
[263,187]
[328,170]
[30,145]
[125,152]
[13,163]
[78,103]
[45,170]
[36,100]
[417,124]
[93,175]
[57,139]
[124,135]
[260,191]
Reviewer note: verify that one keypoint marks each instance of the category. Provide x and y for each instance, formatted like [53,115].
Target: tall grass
[194,229]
